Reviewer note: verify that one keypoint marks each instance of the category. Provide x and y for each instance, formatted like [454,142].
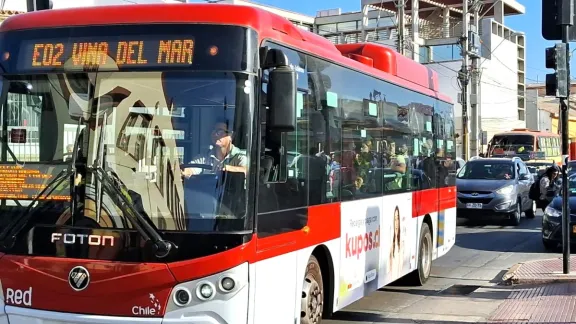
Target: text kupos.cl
[362,243]
[19,297]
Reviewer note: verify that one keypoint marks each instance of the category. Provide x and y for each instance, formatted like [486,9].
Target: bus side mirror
[282,99]
[281,90]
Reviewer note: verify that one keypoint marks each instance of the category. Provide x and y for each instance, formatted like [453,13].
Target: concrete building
[542,112]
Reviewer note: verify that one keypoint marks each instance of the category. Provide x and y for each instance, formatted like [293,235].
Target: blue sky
[530,23]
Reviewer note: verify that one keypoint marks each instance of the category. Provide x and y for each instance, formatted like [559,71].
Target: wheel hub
[312,302]
[426,262]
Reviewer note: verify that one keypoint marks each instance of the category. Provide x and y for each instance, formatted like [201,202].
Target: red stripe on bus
[323,225]
[424,202]
[447,198]
[198,268]
[433,200]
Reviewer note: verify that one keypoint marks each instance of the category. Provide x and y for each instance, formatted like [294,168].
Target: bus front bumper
[18,315]
[222,307]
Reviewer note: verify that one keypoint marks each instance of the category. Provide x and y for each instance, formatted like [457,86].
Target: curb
[510,278]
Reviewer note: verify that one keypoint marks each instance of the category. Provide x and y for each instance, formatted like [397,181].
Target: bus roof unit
[388,60]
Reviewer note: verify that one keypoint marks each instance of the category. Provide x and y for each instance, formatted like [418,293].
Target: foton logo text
[362,243]
[19,297]
[102,240]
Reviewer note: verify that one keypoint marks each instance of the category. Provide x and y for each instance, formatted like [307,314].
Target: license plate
[474,205]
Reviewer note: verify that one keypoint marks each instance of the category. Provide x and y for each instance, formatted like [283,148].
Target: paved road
[482,254]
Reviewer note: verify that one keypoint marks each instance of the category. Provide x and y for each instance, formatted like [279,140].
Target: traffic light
[552,20]
[557,83]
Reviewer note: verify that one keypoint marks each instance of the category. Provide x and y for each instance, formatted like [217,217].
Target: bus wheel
[312,304]
[422,274]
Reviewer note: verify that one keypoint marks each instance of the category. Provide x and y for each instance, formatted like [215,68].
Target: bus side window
[284,186]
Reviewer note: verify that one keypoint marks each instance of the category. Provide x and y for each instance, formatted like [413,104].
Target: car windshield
[159,135]
[487,170]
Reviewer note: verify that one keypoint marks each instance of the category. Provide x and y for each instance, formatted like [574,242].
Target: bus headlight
[227,284]
[182,297]
[205,291]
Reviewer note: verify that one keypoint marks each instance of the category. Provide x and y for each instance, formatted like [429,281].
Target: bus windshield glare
[162,133]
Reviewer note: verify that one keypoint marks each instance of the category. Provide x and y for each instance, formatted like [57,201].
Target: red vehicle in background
[108,106]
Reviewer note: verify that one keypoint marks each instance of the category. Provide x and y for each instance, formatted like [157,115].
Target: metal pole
[401,26]
[474,91]
[464,77]
[565,13]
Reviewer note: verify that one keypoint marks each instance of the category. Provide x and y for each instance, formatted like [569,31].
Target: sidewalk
[540,272]
[541,293]
[551,303]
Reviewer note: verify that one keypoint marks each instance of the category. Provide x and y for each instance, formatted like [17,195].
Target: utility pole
[473,42]
[463,78]
[557,20]
[401,26]
[566,20]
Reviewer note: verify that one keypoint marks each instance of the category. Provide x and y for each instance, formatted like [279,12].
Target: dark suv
[495,186]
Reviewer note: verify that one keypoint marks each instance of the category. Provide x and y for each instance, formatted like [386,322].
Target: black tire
[312,301]
[549,245]
[420,276]
[516,216]
[531,212]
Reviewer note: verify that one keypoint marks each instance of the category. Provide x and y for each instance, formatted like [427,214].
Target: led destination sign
[93,54]
[26,182]
[158,47]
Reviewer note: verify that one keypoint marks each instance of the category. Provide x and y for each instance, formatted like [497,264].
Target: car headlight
[552,212]
[505,190]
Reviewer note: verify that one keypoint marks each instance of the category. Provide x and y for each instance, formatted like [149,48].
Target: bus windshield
[515,143]
[512,145]
[163,137]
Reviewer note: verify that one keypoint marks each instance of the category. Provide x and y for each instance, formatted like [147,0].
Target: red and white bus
[100,224]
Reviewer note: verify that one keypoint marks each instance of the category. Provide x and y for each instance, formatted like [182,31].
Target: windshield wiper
[99,162]
[162,247]
[140,222]
[73,169]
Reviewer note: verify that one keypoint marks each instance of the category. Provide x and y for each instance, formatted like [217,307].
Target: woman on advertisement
[396,260]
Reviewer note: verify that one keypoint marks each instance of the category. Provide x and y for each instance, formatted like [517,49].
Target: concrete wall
[499,84]
[532,111]
[545,121]
[536,118]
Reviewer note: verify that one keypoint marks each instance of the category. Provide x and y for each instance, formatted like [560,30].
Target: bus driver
[223,155]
